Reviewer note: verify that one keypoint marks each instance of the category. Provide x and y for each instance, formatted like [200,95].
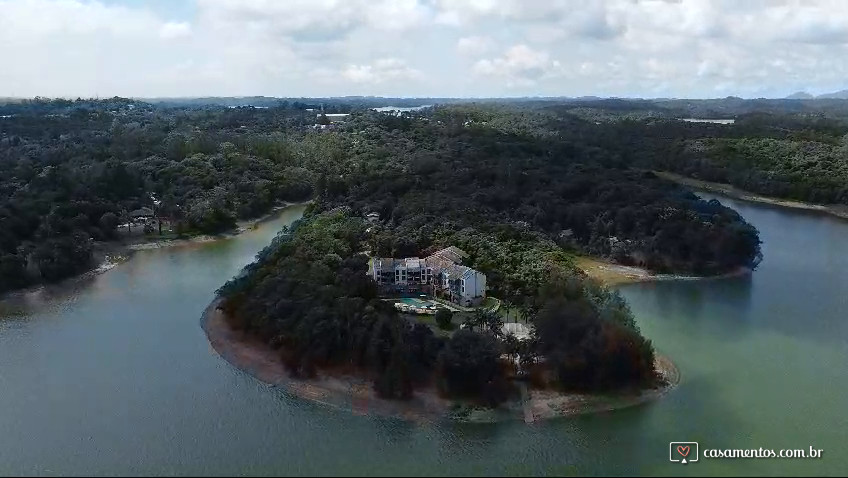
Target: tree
[486,321]
[109,223]
[470,367]
[444,318]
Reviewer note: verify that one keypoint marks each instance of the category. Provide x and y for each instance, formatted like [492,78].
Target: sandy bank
[612,274]
[837,210]
[355,395]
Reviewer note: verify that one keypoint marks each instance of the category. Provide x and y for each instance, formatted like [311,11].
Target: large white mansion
[441,272]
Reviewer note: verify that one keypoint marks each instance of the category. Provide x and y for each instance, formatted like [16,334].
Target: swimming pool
[421,303]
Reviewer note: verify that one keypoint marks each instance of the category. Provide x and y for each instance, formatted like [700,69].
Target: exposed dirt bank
[611,274]
[355,395]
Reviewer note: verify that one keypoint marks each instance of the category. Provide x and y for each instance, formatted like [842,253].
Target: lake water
[385,109]
[113,375]
[703,120]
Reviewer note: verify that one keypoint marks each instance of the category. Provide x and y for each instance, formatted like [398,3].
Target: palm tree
[525,313]
[511,346]
[486,320]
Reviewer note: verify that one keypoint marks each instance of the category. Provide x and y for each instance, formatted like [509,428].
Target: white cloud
[381,71]
[424,47]
[520,66]
[456,13]
[172,30]
[474,45]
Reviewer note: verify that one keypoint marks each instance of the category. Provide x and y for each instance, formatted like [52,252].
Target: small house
[143,214]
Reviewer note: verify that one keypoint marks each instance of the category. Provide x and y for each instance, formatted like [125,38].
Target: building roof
[384,263]
[142,212]
[455,271]
[446,260]
[468,272]
[435,261]
[452,254]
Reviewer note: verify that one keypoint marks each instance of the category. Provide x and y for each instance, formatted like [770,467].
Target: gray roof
[446,260]
[142,212]
[384,263]
[452,254]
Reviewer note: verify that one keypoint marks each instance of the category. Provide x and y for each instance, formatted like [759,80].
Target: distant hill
[800,95]
[839,95]
[803,95]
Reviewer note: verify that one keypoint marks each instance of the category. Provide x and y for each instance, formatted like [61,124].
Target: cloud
[174,30]
[458,13]
[474,45]
[313,20]
[520,65]
[681,48]
[381,71]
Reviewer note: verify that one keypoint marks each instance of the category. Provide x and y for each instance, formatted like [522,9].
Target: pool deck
[429,301]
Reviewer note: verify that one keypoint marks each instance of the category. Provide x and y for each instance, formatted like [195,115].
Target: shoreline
[353,394]
[108,255]
[836,210]
[242,226]
[611,274]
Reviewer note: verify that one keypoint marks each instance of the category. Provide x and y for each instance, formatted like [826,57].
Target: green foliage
[506,171]
[517,186]
[444,318]
[793,168]
[589,353]
[308,294]
[469,366]
[465,180]
[109,223]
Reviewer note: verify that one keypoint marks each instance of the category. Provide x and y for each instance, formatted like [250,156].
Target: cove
[113,374]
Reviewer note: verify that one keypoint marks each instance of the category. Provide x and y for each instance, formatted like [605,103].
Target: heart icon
[683,450]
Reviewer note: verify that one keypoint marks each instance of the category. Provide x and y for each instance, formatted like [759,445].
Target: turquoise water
[420,302]
[113,375]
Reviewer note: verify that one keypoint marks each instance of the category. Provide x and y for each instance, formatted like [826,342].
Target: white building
[333,117]
[441,272]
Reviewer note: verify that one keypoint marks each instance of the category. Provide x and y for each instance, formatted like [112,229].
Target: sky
[418,48]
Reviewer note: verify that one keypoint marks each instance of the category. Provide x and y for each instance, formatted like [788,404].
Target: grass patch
[489,303]
[430,321]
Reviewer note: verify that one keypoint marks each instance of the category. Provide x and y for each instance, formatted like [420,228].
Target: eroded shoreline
[837,210]
[347,393]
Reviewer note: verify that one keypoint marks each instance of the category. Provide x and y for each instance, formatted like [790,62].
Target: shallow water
[114,375]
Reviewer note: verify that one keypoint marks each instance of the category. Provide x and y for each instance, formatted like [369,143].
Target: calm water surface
[114,375]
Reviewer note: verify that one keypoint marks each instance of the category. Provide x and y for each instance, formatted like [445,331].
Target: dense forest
[792,149]
[520,185]
[308,294]
[575,173]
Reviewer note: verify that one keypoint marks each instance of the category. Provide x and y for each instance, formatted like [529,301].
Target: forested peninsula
[521,187]
[520,201]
